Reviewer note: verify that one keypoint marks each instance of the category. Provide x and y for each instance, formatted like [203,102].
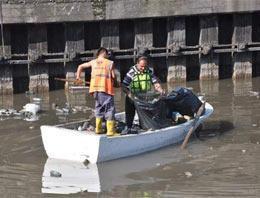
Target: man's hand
[79,81]
[159,88]
[129,94]
[163,92]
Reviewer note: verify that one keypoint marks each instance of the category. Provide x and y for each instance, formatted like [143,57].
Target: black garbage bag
[152,115]
[155,111]
[182,100]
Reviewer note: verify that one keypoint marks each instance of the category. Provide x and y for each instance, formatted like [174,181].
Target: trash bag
[183,100]
[152,114]
[155,110]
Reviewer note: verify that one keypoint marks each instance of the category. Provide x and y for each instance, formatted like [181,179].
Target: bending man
[138,79]
[101,87]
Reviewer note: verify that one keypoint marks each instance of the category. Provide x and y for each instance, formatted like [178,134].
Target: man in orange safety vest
[102,84]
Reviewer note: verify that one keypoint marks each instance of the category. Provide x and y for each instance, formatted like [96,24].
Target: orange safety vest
[101,77]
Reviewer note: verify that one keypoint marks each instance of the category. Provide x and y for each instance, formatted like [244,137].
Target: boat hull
[62,143]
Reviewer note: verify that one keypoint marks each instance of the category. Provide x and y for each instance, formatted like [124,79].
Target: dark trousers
[104,107]
[129,112]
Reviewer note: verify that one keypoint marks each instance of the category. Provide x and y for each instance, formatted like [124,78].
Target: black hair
[101,50]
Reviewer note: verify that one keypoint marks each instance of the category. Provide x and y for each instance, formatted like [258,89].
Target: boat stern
[62,143]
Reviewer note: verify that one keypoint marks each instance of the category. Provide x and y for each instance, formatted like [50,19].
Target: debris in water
[37,99]
[188,174]
[166,168]
[65,110]
[254,93]
[55,174]
[74,110]
[31,107]
[80,128]
[54,105]
[29,92]
[243,150]
[91,128]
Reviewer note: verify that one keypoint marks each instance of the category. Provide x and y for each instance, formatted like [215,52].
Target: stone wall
[43,11]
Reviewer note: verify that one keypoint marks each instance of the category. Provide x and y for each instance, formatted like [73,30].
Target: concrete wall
[40,11]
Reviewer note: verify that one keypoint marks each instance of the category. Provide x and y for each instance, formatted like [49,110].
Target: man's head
[142,63]
[102,52]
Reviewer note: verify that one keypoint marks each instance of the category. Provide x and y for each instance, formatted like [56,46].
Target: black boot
[126,131]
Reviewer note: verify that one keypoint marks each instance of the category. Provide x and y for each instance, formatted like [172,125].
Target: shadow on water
[213,129]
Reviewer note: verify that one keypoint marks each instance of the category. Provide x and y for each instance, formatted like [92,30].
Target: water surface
[223,162]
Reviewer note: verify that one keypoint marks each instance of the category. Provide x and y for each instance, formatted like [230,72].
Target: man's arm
[126,91]
[81,67]
[159,88]
[79,70]
[156,83]
[127,81]
[116,84]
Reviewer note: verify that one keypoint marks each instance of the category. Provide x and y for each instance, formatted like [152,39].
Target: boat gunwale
[209,110]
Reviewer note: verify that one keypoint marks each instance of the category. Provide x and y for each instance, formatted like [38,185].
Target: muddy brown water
[223,161]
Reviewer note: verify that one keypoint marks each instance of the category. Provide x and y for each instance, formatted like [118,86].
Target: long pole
[68,80]
[198,114]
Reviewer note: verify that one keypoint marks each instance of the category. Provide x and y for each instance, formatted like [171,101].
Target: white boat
[66,142]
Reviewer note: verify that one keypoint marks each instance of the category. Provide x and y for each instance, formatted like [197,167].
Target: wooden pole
[199,113]
[70,80]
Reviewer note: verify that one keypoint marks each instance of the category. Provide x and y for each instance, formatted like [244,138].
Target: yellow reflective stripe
[103,75]
[99,86]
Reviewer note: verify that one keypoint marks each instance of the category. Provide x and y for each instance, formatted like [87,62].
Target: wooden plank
[74,43]
[5,52]
[176,38]
[143,37]
[109,31]
[6,71]
[6,79]
[242,34]
[38,72]
[143,33]
[209,62]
